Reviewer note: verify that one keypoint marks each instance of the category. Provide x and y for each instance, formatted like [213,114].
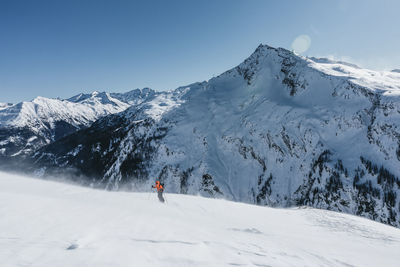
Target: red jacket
[158,186]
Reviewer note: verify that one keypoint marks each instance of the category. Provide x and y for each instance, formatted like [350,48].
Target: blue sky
[61,48]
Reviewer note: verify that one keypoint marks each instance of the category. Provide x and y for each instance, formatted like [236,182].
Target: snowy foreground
[45,223]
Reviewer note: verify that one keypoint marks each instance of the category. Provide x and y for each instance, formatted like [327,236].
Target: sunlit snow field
[45,223]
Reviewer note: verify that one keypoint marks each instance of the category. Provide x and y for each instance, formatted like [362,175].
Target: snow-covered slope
[385,82]
[278,130]
[4,105]
[46,223]
[26,126]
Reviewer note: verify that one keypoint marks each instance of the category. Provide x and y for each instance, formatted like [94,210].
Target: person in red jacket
[160,190]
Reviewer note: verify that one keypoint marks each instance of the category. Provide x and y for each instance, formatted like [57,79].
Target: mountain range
[279,129]
[27,126]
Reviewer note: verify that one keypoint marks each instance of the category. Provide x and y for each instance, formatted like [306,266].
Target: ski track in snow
[45,223]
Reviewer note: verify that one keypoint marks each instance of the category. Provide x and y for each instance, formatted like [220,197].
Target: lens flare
[301,43]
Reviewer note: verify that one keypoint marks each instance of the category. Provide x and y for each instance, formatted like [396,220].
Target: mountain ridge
[48,119]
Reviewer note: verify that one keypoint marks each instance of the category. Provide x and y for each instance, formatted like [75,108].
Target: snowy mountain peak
[132,97]
[5,105]
[273,61]
[48,119]
[79,97]
[136,96]
[94,96]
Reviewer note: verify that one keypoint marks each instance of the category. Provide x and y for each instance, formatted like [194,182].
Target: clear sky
[61,48]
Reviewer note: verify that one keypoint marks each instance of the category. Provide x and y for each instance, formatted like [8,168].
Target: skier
[160,189]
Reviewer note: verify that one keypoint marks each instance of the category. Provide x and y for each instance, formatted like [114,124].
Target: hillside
[47,223]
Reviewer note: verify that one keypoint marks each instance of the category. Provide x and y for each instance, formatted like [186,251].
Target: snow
[78,110]
[42,111]
[4,105]
[162,104]
[272,116]
[242,131]
[44,117]
[386,81]
[75,151]
[46,223]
